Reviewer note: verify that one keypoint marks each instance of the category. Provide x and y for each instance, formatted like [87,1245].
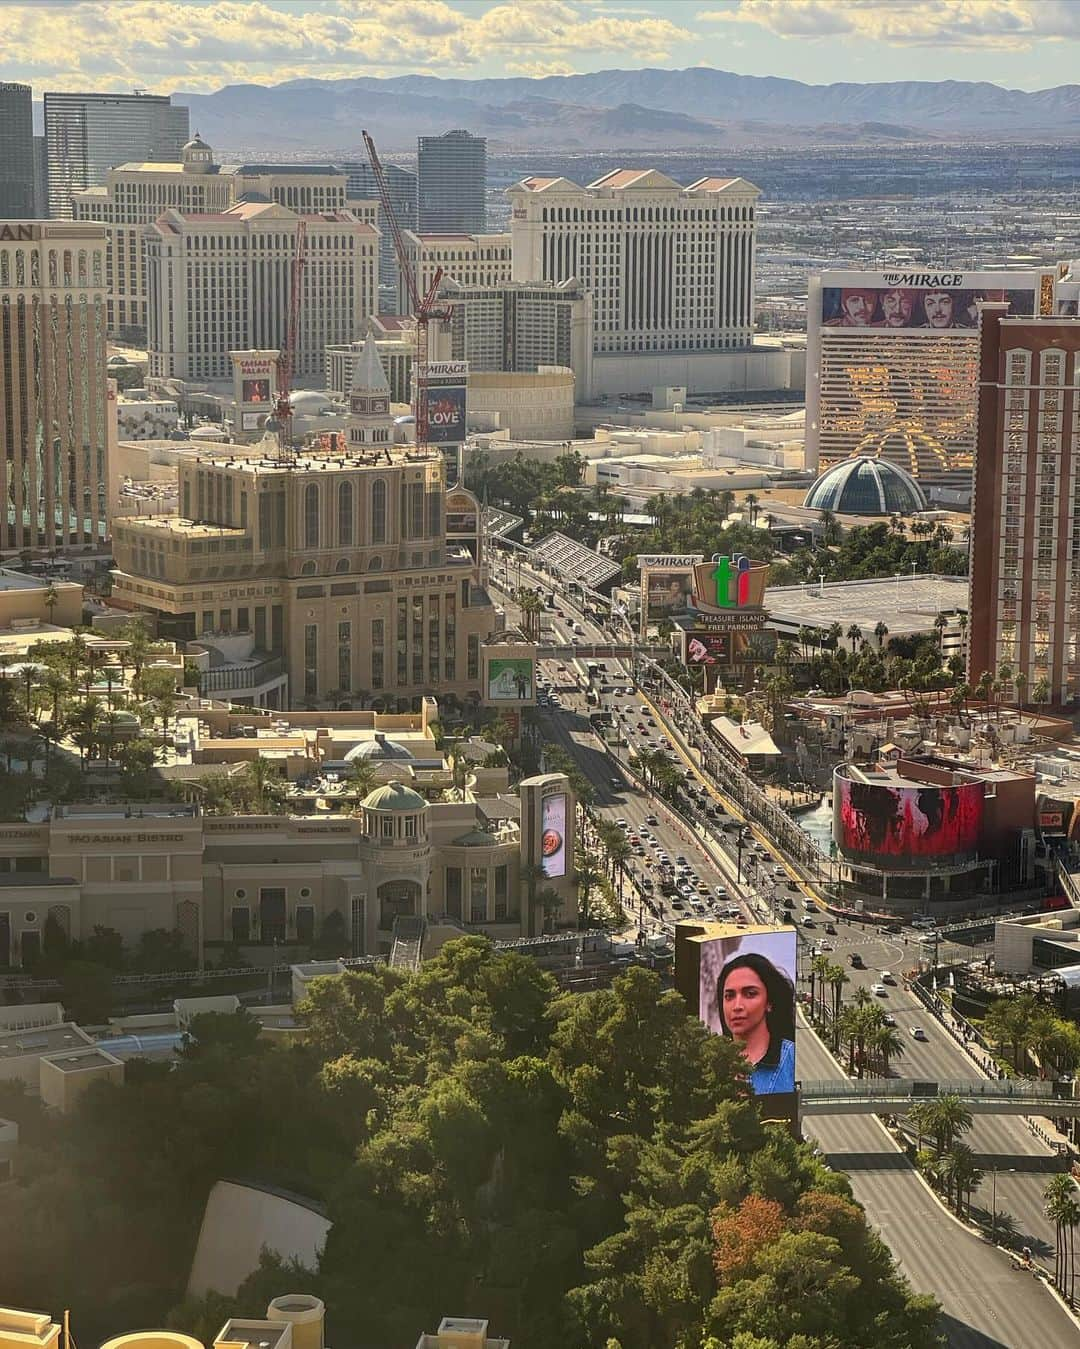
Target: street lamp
[738,865]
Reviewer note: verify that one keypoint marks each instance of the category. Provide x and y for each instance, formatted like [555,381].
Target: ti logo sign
[732,577]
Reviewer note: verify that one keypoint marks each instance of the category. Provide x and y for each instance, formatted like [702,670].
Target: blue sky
[164,45]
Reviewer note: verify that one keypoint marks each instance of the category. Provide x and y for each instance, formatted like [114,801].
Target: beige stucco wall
[238,1222]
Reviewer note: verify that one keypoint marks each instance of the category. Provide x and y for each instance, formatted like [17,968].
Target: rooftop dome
[379,748]
[865,486]
[394,796]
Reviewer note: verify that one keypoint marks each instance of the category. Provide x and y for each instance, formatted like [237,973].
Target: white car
[917,1033]
[879,990]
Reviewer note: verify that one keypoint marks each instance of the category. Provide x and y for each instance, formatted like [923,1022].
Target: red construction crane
[286,361]
[424,308]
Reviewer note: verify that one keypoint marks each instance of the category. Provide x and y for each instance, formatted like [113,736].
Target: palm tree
[1040,694]
[51,599]
[819,968]
[885,1044]
[1020,684]
[532,873]
[919,1119]
[588,877]
[836,979]
[750,501]
[1060,1204]
[941,623]
[854,634]
[881,631]
[960,1173]
[946,1119]
[363,777]
[263,784]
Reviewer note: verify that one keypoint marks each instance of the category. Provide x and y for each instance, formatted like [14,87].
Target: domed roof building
[379,750]
[866,486]
[395,796]
[197,156]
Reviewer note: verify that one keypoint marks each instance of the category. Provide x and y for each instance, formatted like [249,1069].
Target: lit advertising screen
[553,836]
[667,594]
[255,391]
[708,648]
[746,992]
[904,826]
[446,414]
[890,303]
[510,680]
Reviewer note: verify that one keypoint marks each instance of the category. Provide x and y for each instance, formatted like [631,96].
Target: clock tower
[370,423]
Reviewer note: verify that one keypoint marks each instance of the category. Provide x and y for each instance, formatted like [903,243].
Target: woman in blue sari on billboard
[757,1009]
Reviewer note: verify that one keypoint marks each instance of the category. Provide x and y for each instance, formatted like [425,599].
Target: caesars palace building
[269,880]
[336,562]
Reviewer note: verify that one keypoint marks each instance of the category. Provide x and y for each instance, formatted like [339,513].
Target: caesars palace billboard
[940,301]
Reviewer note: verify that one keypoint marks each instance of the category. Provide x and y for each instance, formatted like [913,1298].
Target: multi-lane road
[986,1302]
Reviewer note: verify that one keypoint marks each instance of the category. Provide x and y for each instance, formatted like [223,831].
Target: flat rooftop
[257,1334]
[909,604]
[81,1060]
[40,1040]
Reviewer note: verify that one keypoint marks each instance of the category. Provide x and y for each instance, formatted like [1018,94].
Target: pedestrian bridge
[594,650]
[895,1095]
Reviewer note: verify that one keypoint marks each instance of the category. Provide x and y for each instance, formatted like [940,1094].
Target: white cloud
[1007,24]
[165,45]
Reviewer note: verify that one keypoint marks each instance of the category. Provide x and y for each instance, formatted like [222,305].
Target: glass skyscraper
[452,183]
[88,134]
[16,153]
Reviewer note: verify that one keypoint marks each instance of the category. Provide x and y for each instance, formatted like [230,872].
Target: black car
[830,928]
[894,928]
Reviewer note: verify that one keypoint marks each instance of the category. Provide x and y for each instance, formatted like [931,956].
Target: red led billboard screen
[903,826]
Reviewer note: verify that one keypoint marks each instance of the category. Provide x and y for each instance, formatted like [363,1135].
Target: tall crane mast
[286,361]
[424,307]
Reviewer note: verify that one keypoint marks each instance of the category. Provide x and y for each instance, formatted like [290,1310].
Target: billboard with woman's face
[747,993]
[899,826]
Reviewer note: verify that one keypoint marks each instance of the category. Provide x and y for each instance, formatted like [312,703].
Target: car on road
[830,928]
[879,990]
[720,892]
[651,819]
[888,978]
[917,1033]
[622,824]
[855,961]
[894,928]
[889,1019]
[617,783]
[808,921]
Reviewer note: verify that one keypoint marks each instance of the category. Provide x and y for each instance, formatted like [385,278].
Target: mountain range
[626,109]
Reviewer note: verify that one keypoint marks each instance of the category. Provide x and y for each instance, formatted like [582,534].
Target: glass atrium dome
[866,486]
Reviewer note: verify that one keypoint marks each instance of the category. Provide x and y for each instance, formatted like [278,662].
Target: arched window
[82,272]
[53,273]
[20,267]
[345,514]
[311,516]
[378,511]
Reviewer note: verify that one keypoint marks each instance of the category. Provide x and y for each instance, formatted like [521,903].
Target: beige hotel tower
[338,563]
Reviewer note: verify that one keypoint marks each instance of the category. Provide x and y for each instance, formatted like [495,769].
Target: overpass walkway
[895,1095]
